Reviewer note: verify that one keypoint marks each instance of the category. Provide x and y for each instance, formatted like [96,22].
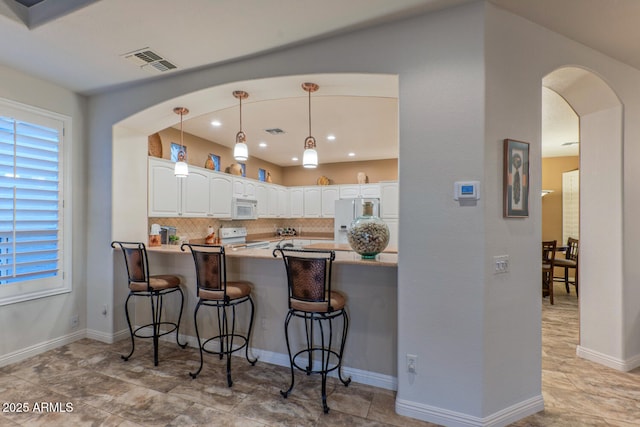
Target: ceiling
[83,45]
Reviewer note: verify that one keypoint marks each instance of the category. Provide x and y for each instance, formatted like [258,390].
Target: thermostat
[466,190]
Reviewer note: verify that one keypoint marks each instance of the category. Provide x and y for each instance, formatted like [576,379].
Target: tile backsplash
[196,228]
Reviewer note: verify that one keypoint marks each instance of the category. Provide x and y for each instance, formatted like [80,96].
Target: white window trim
[25,291]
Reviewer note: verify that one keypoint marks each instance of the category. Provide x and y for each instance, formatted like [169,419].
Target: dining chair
[569,261]
[548,264]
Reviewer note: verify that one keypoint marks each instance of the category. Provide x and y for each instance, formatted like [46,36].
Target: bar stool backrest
[211,272]
[135,260]
[308,275]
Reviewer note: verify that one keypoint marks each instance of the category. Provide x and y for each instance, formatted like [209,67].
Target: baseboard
[280,359]
[606,360]
[449,418]
[34,350]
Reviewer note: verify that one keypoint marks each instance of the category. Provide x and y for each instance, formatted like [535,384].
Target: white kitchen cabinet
[296,202]
[244,188]
[164,189]
[330,193]
[169,196]
[389,199]
[312,203]
[392,223]
[371,191]
[262,196]
[195,193]
[283,202]
[220,193]
[272,199]
[351,191]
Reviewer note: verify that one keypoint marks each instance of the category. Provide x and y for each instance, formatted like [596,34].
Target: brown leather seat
[548,263]
[569,261]
[312,299]
[214,290]
[142,284]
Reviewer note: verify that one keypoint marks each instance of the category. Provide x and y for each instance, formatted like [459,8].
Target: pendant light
[181,169]
[240,150]
[310,155]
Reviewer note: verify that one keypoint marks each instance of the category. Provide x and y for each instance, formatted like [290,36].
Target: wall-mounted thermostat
[466,190]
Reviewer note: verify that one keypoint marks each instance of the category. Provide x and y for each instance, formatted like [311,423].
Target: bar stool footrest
[317,350]
[138,334]
[240,337]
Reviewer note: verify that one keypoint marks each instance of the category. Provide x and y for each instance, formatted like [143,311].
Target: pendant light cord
[309,113]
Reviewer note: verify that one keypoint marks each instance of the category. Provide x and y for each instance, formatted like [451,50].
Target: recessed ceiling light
[351,154]
[295,159]
[216,123]
[262,144]
[331,137]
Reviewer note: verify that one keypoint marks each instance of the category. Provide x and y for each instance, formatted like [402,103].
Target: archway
[600,267]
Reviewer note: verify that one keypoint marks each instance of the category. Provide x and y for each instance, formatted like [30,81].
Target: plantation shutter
[30,200]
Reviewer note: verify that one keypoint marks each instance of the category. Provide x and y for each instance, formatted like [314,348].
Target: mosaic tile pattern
[104,390]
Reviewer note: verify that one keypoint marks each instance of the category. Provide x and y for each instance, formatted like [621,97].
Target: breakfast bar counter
[370,287]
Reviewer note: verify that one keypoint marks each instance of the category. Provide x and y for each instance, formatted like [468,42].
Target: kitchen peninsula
[369,285]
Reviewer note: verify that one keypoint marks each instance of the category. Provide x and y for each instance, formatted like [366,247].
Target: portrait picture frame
[516,179]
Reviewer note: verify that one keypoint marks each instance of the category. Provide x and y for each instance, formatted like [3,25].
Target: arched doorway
[600,267]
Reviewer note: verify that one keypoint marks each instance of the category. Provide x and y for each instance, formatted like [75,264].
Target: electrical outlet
[501,264]
[75,321]
[412,363]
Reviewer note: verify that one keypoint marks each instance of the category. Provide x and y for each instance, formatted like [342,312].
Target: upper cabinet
[206,193]
[220,193]
[330,193]
[389,199]
[352,191]
[244,188]
[165,195]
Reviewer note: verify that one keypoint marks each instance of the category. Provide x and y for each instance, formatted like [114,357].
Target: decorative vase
[368,235]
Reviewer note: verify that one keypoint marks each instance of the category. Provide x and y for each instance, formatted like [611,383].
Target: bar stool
[311,299]
[215,291]
[141,284]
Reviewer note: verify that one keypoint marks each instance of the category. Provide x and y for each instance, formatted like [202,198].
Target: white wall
[32,326]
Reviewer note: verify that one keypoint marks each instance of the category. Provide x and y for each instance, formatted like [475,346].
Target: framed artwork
[213,162]
[244,169]
[516,179]
[175,150]
[262,175]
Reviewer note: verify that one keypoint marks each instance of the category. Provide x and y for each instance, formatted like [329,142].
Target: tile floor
[89,378]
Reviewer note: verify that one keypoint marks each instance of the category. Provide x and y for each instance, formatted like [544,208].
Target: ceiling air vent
[149,60]
[274,131]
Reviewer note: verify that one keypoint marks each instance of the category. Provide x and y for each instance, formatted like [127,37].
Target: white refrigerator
[346,211]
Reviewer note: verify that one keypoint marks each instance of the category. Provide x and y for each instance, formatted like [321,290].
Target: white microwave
[244,208]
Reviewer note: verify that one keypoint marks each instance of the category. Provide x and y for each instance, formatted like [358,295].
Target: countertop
[344,247]
[386,259]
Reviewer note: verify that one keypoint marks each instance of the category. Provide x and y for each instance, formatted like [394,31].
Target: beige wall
[343,172]
[198,149]
[552,169]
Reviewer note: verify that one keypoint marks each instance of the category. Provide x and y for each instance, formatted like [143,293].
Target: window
[32,212]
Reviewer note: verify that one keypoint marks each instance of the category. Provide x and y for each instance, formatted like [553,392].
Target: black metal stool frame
[225,336]
[155,296]
[310,317]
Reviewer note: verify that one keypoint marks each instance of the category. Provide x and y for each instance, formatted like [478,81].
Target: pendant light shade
[240,149]
[310,155]
[181,169]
